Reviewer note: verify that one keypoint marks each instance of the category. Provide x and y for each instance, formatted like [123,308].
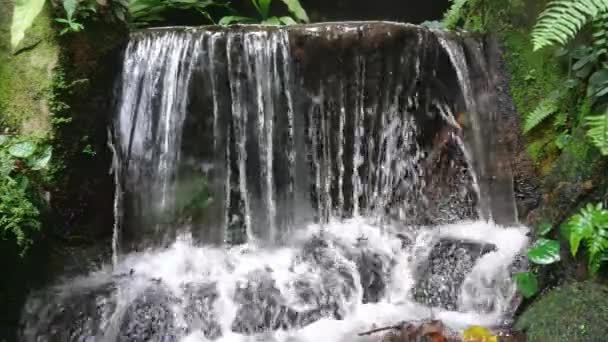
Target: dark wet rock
[199,314]
[150,317]
[81,315]
[263,307]
[440,278]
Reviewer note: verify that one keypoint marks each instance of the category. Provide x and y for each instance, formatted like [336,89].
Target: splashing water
[329,284]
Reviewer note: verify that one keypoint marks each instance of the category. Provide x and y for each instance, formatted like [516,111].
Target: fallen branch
[373,331]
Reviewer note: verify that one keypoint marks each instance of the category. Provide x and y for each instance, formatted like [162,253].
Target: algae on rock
[571,313]
[26,73]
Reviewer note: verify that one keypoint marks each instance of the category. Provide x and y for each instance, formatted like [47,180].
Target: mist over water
[295,184]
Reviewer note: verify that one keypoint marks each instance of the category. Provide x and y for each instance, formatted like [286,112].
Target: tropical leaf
[563,19]
[527,283]
[272,21]
[263,7]
[545,109]
[42,161]
[235,19]
[24,13]
[287,20]
[598,131]
[70,8]
[454,13]
[296,10]
[22,150]
[544,228]
[544,252]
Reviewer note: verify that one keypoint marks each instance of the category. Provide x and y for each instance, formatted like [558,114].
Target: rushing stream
[296,184]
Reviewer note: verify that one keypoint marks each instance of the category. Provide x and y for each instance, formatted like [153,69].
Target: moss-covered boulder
[570,313]
[26,73]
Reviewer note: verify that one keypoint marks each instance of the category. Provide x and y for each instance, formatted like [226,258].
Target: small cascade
[297,184]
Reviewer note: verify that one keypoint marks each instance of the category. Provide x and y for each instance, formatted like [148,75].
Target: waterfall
[279,182]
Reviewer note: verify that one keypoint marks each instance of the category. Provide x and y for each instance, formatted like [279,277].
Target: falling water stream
[294,184]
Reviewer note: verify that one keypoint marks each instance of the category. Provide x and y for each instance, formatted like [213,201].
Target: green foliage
[589,227]
[24,13]
[545,109]
[598,131]
[145,12]
[573,312]
[527,283]
[22,160]
[544,252]
[75,11]
[295,9]
[563,19]
[454,14]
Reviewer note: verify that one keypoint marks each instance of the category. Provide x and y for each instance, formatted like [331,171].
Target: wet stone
[150,318]
[441,276]
[199,314]
[81,316]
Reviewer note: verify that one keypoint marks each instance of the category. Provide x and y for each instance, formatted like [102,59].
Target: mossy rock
[571,313]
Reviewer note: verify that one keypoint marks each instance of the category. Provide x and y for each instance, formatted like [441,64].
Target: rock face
[442,275]
[570,313]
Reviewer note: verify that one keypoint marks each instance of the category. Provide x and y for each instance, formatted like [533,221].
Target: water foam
[325,259]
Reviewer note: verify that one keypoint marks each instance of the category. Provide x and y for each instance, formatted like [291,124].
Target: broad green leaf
[544,228]
[544,252]
[287,20]
[43,160]
[263,7]
[22,150]
[271,21]
[70,8]
[3,139]
[235,19]
[296,10]
[527,283]
[24,13]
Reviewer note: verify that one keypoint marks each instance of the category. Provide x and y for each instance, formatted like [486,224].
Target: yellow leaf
[478,334]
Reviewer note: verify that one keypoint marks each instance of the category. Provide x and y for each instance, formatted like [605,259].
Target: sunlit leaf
[70,8]
[478,334]
[287,20]
[527,283]
[544,252]
[235,19]
[22,150]
[296,10]
[544,228]
[24,13]
[272,21]
[42,161]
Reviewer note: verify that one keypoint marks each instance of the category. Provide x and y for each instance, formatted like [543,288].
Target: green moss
[571,313]
[26,75]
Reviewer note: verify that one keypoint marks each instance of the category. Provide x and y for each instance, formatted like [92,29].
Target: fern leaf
[546,108]
[598,131]
[563,19]
[597,247]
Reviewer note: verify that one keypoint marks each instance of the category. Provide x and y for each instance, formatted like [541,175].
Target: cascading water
[293,184]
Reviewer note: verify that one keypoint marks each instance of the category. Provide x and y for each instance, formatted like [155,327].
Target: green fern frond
[545,109]
[600,38]
[598,131]
[597,248]
[563,19]
[454,14]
